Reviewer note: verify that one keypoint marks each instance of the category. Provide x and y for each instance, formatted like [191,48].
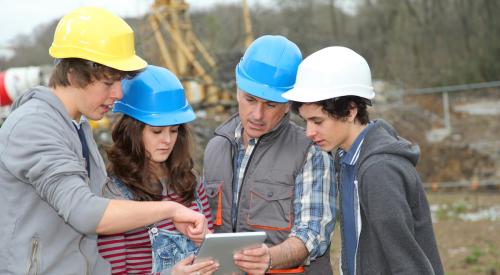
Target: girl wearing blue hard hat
[150,160]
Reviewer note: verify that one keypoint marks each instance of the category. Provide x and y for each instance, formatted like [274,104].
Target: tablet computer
[220,247]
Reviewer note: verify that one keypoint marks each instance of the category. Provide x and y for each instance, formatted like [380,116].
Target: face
[97,98]
[259,116]
[325,131]
[159,142]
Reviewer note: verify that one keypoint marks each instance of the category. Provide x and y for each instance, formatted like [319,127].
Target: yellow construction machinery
[181,52]
[168,40]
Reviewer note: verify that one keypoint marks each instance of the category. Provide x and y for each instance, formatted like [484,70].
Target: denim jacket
[168,247]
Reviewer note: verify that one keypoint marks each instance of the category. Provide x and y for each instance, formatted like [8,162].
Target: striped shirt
[130,252]
[314,197]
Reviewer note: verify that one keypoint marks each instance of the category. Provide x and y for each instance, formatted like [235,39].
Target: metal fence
[472,185]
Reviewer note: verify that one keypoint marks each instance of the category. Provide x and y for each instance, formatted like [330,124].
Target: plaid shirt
[314,196]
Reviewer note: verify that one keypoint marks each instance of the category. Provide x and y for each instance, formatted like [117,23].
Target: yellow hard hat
[97,35]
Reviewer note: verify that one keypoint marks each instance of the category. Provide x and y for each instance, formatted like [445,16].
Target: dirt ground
[466,247]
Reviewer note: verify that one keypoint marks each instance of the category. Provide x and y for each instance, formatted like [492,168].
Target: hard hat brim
[132,63]
[257,89]
[299,94]
[181,116]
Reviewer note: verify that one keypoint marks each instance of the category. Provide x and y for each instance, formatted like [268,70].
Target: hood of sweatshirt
[382,138]
[46,95]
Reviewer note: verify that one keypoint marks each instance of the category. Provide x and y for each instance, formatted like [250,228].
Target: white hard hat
[329,73]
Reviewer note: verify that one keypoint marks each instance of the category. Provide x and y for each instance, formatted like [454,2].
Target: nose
[310,131]
[166,137]
[258,111]
[116,91]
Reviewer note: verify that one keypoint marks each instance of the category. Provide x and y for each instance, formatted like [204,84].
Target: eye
[174,129]
[271,105]
[250,99]
[317,122]
[156,130]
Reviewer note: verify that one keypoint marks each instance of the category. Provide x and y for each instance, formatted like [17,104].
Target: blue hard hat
[155,97]
[269,67]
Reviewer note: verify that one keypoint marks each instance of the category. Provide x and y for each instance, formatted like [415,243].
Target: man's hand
[254,261]
[190,223]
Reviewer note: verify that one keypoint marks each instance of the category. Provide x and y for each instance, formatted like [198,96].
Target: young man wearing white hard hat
[51,173]
[386,225]
[263,174]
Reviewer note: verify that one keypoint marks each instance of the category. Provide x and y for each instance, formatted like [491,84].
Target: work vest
[267,189]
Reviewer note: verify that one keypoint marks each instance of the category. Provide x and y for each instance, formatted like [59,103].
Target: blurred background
[435,64]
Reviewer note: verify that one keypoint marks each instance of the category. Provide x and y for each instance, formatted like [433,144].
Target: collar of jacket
[227,128]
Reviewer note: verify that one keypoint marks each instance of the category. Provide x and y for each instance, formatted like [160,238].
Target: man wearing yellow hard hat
[51,173]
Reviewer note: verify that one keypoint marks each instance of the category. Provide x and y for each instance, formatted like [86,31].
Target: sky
[22,16]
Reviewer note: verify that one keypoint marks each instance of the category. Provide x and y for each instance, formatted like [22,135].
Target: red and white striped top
[130,252]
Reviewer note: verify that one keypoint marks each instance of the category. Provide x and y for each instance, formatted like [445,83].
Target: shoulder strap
[123,188]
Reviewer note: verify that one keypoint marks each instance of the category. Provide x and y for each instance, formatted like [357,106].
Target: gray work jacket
[49,207]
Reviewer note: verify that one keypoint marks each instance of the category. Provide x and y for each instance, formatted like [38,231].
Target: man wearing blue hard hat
[263,174]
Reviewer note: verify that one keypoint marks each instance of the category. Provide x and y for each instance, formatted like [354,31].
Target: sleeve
[37,153]
[202,194]
[385,187]
[314,203]
[112,249]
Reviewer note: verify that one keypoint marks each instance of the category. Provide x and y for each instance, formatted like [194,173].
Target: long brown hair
[128,161]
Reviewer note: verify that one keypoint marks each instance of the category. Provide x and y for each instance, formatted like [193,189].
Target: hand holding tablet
[220,247]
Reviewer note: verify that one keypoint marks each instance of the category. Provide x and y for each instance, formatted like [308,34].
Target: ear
[71,78]
[238,94]
[353,111]
[288,107]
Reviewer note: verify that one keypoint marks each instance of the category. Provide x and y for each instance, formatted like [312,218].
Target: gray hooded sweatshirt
[49,208]
[396,229]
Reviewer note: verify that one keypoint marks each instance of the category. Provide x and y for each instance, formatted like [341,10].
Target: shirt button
[154,230]
[270,194]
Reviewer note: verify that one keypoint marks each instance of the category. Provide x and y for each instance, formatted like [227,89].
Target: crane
[181,52]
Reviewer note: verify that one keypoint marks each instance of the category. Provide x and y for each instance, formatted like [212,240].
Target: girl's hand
[186,267]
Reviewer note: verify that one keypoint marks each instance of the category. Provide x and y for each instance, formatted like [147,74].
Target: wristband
[270,263]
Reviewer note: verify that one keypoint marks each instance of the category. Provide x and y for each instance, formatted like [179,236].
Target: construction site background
[437,81]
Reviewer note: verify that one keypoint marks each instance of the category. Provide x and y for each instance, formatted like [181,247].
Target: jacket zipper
[33,260]
[338,172]
[233,146]
[242,181]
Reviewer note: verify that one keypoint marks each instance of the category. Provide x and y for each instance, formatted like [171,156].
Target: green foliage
[452,211]
[412,43]
[459,208]
[473,257]
[442,214]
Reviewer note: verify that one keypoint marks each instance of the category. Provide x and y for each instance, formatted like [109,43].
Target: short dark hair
[340,107]
[85,72]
